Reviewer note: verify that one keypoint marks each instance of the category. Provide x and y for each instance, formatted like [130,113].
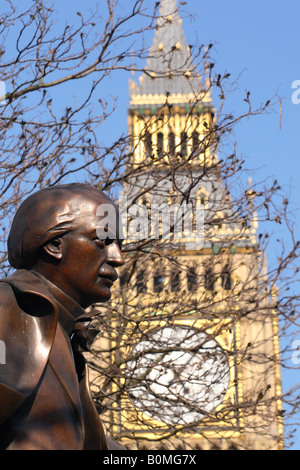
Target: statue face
[87,265]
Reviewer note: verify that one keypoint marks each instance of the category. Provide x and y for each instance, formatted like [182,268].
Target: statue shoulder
[8,300]
[27,333]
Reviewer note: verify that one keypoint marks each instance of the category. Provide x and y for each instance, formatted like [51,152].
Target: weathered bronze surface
[62,267]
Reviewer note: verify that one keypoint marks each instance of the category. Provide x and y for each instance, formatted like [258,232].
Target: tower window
[144,200]
[160,144]
[192,280]
[202,199]
[171,143]
[183,145]
[195,142]
[158,281]
[226,279]
[209,280]
[148,144]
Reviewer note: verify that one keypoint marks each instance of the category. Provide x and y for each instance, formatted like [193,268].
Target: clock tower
[200,335]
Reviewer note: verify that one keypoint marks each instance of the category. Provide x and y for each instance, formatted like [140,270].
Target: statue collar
[69,311]
[72,317]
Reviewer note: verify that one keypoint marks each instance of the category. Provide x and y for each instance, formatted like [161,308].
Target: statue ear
[54,248]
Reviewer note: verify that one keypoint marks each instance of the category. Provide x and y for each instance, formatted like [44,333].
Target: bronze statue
[62,267]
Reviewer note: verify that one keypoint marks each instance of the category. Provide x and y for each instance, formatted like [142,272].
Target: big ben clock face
[179,375]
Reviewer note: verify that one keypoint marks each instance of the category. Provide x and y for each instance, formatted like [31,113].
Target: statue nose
[114,255]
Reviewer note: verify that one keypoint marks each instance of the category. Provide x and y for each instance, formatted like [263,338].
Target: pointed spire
[168,7]
[169,69]
[169,52]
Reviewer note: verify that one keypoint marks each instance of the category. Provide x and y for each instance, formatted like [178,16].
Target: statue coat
[45,400]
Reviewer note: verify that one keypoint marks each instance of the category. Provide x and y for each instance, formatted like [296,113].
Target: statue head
[71,235]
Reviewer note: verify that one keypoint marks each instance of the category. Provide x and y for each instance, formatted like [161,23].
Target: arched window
[173,196]
[202,197]
[148,145]
[173,201]
[171,143]
[160,144]
[144,200]
[192,280]
[158,282]
[199,203]
[143,228]
[226,278]
[183,144]
[209,279]
[195,143]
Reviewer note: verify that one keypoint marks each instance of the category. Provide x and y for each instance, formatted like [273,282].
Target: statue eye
[103,242]
[99,242]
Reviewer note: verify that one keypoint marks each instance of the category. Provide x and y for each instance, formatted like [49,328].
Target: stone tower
[222,342]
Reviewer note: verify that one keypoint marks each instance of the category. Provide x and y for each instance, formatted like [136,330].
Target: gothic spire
[169,69]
